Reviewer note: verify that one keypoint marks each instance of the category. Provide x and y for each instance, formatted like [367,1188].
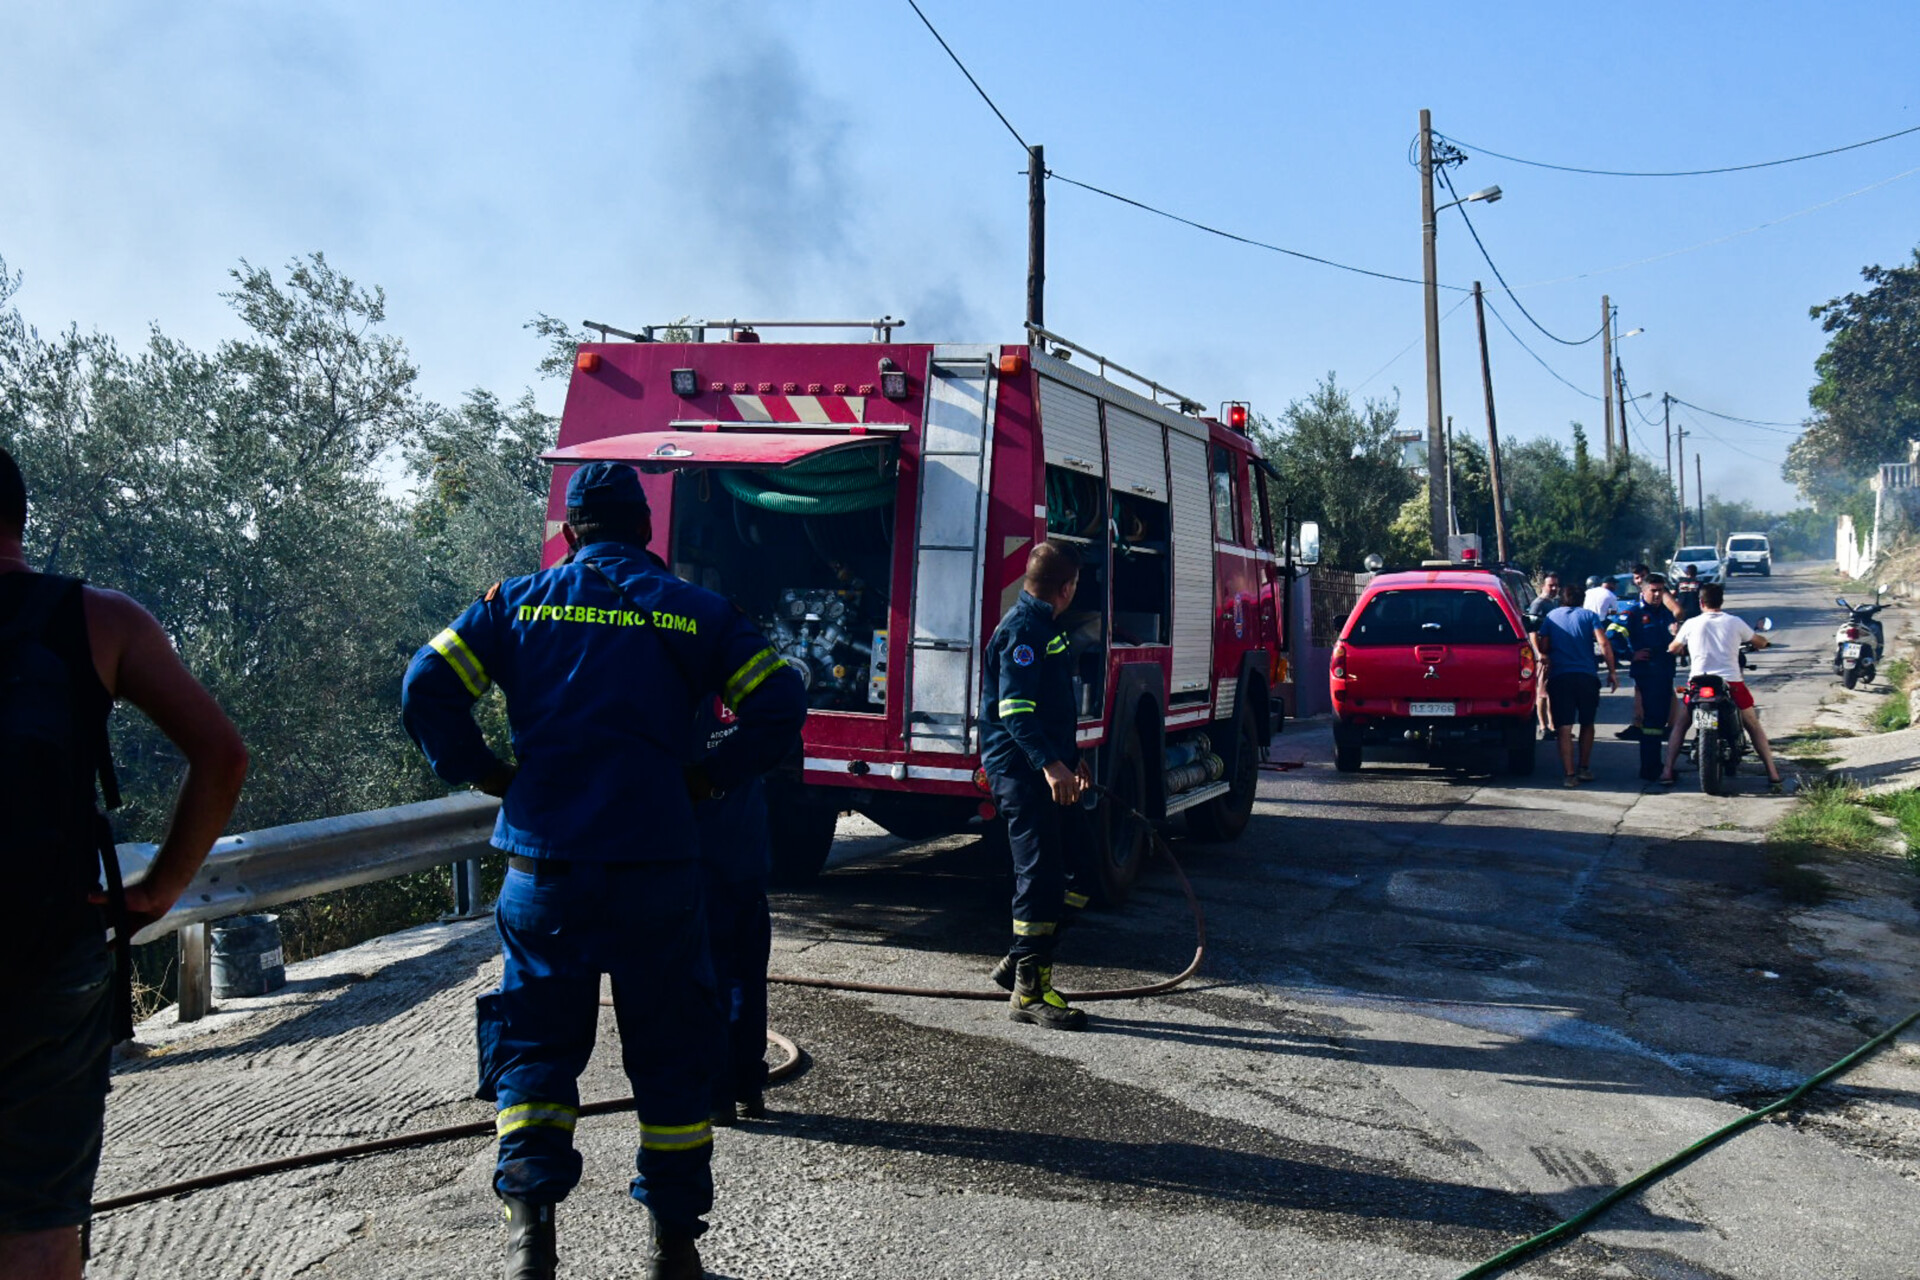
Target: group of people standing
[1574,634]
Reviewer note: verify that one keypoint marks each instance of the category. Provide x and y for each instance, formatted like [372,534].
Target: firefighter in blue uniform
[738,856]
[1649,623]
[604,661]
[1033,763]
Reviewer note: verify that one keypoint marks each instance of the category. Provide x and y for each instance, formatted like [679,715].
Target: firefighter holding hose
[603,661]
[1033,763]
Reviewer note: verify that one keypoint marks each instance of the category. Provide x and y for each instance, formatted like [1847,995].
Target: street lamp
[1436,446]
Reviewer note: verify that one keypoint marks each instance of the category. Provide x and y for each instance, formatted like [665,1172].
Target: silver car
[1705,561]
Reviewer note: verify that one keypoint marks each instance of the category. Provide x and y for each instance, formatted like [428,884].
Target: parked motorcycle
[1719,736]
[1860,641]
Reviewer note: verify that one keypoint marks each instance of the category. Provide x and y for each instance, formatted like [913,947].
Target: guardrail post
[466,891]
[196,973]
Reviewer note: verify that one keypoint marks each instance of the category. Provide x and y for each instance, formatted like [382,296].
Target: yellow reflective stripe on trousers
[751,675]
[1032,928]
[555,1115]
[450,646]
[1014,707]
[675,1137]
[1076,899]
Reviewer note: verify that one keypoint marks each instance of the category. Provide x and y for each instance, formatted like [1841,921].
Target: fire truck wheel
[1125,840]
[1225,817]
[800,835]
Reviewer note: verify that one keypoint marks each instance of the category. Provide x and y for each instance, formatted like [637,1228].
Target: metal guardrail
[261,869]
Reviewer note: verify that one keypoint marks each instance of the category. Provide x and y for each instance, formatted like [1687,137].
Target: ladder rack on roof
[1185,404]
[697,329]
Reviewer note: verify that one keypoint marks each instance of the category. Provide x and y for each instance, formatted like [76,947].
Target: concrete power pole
[1700,495]
[1436,510]
[1036,235]
[1606,369]
[1620,400]
[1666,421]
[1493,432]
[1680,451]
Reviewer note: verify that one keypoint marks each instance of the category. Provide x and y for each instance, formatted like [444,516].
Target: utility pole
[1036,235]
[1436,514]
[1493,432]
[1620,398]
[1606,369]
[1453,515]
[1666,421]
[1700,495]
[1680,441]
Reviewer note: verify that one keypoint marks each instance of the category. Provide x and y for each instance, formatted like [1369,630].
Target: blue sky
[486,161]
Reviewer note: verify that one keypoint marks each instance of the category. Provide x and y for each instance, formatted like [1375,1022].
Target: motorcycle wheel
[1708,753]
[1851,678]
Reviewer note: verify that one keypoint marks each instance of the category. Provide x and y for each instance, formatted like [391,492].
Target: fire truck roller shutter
[830,484]
[1192,566]
[1138,454]
[1070,427]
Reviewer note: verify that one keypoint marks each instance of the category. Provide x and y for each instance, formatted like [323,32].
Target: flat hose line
[794,1057]
[1673,1164]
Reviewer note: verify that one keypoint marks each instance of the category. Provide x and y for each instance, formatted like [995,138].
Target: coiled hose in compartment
[823,485]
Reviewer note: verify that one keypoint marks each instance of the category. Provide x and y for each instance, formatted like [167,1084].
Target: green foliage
[1339,465]
[1582,516]
[1867,400]
[1895,712]
[244,496]
[1904,808]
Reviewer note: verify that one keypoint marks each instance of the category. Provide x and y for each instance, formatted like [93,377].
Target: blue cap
[605,484]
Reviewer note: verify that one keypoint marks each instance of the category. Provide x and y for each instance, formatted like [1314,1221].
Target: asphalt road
[1440,1011]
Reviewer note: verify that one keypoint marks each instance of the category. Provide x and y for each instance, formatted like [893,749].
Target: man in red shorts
[1713,639]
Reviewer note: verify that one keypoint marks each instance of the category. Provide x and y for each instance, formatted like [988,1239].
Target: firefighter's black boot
[1034,999]
[1003,973]
[531,1251]
[674,1258]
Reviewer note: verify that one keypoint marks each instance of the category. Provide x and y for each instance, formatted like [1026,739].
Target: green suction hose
[819,486]
[1585,1218]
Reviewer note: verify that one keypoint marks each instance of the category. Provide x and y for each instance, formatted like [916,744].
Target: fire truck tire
[1125,842]
[1225,817]
[800,836]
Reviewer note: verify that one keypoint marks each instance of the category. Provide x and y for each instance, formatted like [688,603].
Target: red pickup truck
[1436,659]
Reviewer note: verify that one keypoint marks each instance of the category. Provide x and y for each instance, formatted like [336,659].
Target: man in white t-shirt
[1712,640]
[1600,599]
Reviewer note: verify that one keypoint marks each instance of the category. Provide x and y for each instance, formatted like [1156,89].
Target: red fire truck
[871,504]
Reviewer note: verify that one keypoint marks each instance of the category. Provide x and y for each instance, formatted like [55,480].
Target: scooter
[1860,640]
[1719,735]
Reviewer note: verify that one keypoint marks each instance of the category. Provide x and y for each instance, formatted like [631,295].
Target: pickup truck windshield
[1431,616]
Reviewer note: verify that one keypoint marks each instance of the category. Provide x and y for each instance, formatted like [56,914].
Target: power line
[1536,355]
[1411,345]
[1461,206]
[1683,173]
[1784,428]
[1246,240]
[1718,240]
[969,75]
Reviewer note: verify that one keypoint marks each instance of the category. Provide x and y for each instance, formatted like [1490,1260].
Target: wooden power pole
[1620,400]
[1606,369]
[1436,509]
[1700,495]
[1493,433]
[1680,451]
[1036,235]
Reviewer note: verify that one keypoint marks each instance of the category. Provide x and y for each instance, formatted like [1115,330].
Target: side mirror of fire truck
[1309,543]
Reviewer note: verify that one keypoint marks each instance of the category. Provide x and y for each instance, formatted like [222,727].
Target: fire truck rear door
[949,550]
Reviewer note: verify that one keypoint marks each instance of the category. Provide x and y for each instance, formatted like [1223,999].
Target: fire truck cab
[870,506]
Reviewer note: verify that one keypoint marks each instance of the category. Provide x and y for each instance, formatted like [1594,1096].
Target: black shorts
[54,1072]
[1573,697]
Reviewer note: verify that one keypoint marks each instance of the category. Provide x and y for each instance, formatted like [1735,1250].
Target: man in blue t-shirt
[1567,638]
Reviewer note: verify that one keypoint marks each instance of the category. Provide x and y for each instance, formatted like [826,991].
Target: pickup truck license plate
[1430,709]
[1851,651]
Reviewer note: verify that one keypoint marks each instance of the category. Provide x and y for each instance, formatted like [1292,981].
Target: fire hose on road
[792,1064]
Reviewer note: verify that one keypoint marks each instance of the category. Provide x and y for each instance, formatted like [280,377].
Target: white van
[1748,553]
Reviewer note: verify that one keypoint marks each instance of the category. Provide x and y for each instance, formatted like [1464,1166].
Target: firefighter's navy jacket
[602,684]
[1027,710]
